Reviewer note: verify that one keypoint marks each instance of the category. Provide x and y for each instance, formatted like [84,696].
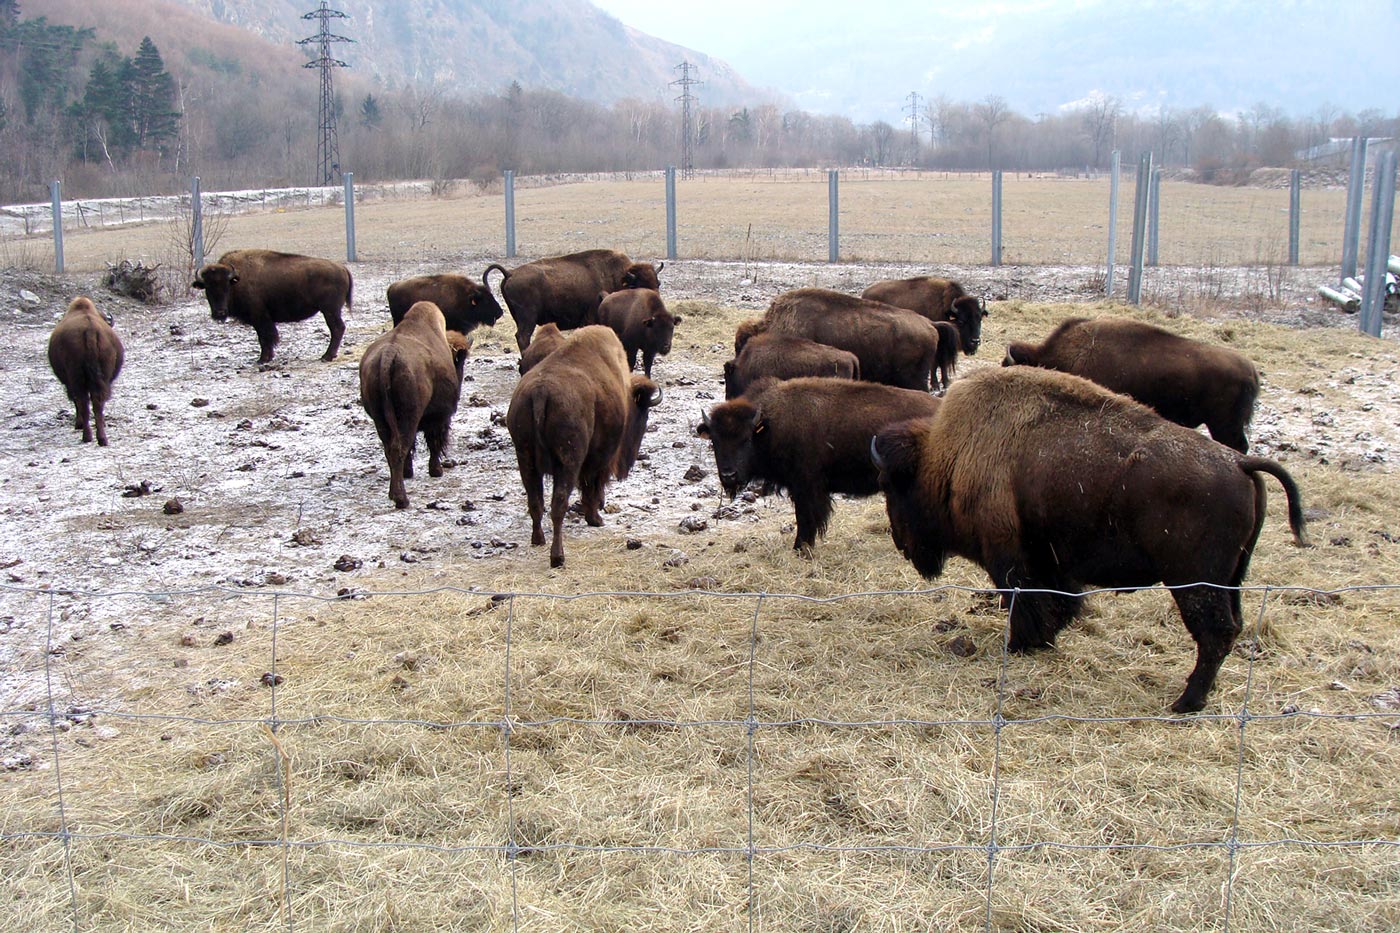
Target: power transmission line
[914,126]
[327,143]
[689,103]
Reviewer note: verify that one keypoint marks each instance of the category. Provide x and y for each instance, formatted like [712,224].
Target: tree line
[114,122]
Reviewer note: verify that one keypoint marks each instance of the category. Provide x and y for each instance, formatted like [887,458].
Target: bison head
[1019,353]
[733,428]
[966,315]
[661,329]
[896,452]
[482,308]
[217,281]
[642,275]
[645,395]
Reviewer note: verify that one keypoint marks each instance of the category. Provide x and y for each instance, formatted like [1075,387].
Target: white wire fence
[754,853]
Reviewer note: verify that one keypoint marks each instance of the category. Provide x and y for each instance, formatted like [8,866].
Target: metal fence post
[56,189]
[1140,198]
[510,213]
[833,235]
[196,224]
[1112,220]
[1154,198]
[1295,214]
[996,217]
[1356,183]
[670,212]
[1378,244]
[349,216]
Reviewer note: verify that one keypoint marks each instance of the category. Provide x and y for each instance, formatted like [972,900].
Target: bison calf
[1186,381]
[86,355]
[465,304]
[779,356]
[810,436]
[937,300]
[1051,482]
[410,380]
[263,288]
[566,289]
[547,339]
[639,318]
[578,416]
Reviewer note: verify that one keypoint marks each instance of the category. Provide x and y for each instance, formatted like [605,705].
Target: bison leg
[83,417]
[337,327]
[813,515]
[591,490]
[267,339]
[1036,618]
[98,404]
[558,506]
[1213,621]
[648,358]
[523,332]
[435,433]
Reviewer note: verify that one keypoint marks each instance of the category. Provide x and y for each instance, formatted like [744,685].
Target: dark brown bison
[578,416]
[782,357]
[86,355]
[1186,381]
[937,300]
[894,346]
[465,304]
[810,436]
[264,288]
[548,338]
[566,289]
[1051,482]
[946,363]
[639,318]
[410,379]
[746,331]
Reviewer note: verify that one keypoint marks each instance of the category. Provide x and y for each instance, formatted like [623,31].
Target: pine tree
[154,119]
[370,115]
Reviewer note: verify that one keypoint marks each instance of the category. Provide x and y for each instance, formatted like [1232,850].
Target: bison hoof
[327,357]
[537,539]
[1185,704]
[434,471]
[1016,646]
[556,561]
[401,503]
[594,521]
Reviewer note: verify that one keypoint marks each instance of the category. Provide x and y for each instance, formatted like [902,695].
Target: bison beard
[1050,482]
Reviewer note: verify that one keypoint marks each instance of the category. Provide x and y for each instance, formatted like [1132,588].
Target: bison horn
[660,266]
[875,457]
[655,398]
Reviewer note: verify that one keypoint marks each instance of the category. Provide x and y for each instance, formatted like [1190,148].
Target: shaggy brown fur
[265,288]
[410,380]
[465,304]
[937,300]
[580,417]
[810,436]
[1051,482]
[639,318]
[86,355]
[746,331]
[1185,380]
[548,338]
[566,289]
[782,357]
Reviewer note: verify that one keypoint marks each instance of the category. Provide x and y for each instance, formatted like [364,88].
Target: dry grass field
[682,730]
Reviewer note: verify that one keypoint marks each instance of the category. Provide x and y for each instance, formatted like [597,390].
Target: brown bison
[1051,482]
[578,416]
[782,357]
[548,338]
[465,304]
[410,379]
[264,288]
[937,300]
[1186,381]
[894,346]
[746,331]
[566,289]
[810,436]
[86,355]
[639,318]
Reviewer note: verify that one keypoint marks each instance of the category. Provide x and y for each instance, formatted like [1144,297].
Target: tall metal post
[1356,183]
[56,190]
[1378,252]
[1140,199]
[196,224]
[1154,198]
[833,235]
[689,106]
[1112,220]
[670,212]
[1295,214]
[996,217]
[327,142]
[510,213]
[349,216]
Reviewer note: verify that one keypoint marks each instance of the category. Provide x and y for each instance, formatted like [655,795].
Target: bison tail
[539,420]
[949,345]
[349,291]
[1296,523]
[93,378]
[505,273]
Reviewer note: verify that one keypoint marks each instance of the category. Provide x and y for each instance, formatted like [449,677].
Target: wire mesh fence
[659,799]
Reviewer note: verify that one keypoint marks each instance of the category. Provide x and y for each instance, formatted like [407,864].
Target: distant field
[925,217]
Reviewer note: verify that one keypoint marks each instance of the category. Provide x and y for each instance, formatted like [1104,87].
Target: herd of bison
[1075,464]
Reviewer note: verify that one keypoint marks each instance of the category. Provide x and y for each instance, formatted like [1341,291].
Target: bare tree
[1100,121]
[992,111]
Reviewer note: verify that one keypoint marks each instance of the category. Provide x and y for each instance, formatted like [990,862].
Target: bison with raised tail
[1186,381]
[265,288]
[465,304]
[566,289]
[779,356]
[86,355]
[937,300]
[810,436]
[579,416]
[639,318]
[1051,482]
[410,380]
[896,347]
